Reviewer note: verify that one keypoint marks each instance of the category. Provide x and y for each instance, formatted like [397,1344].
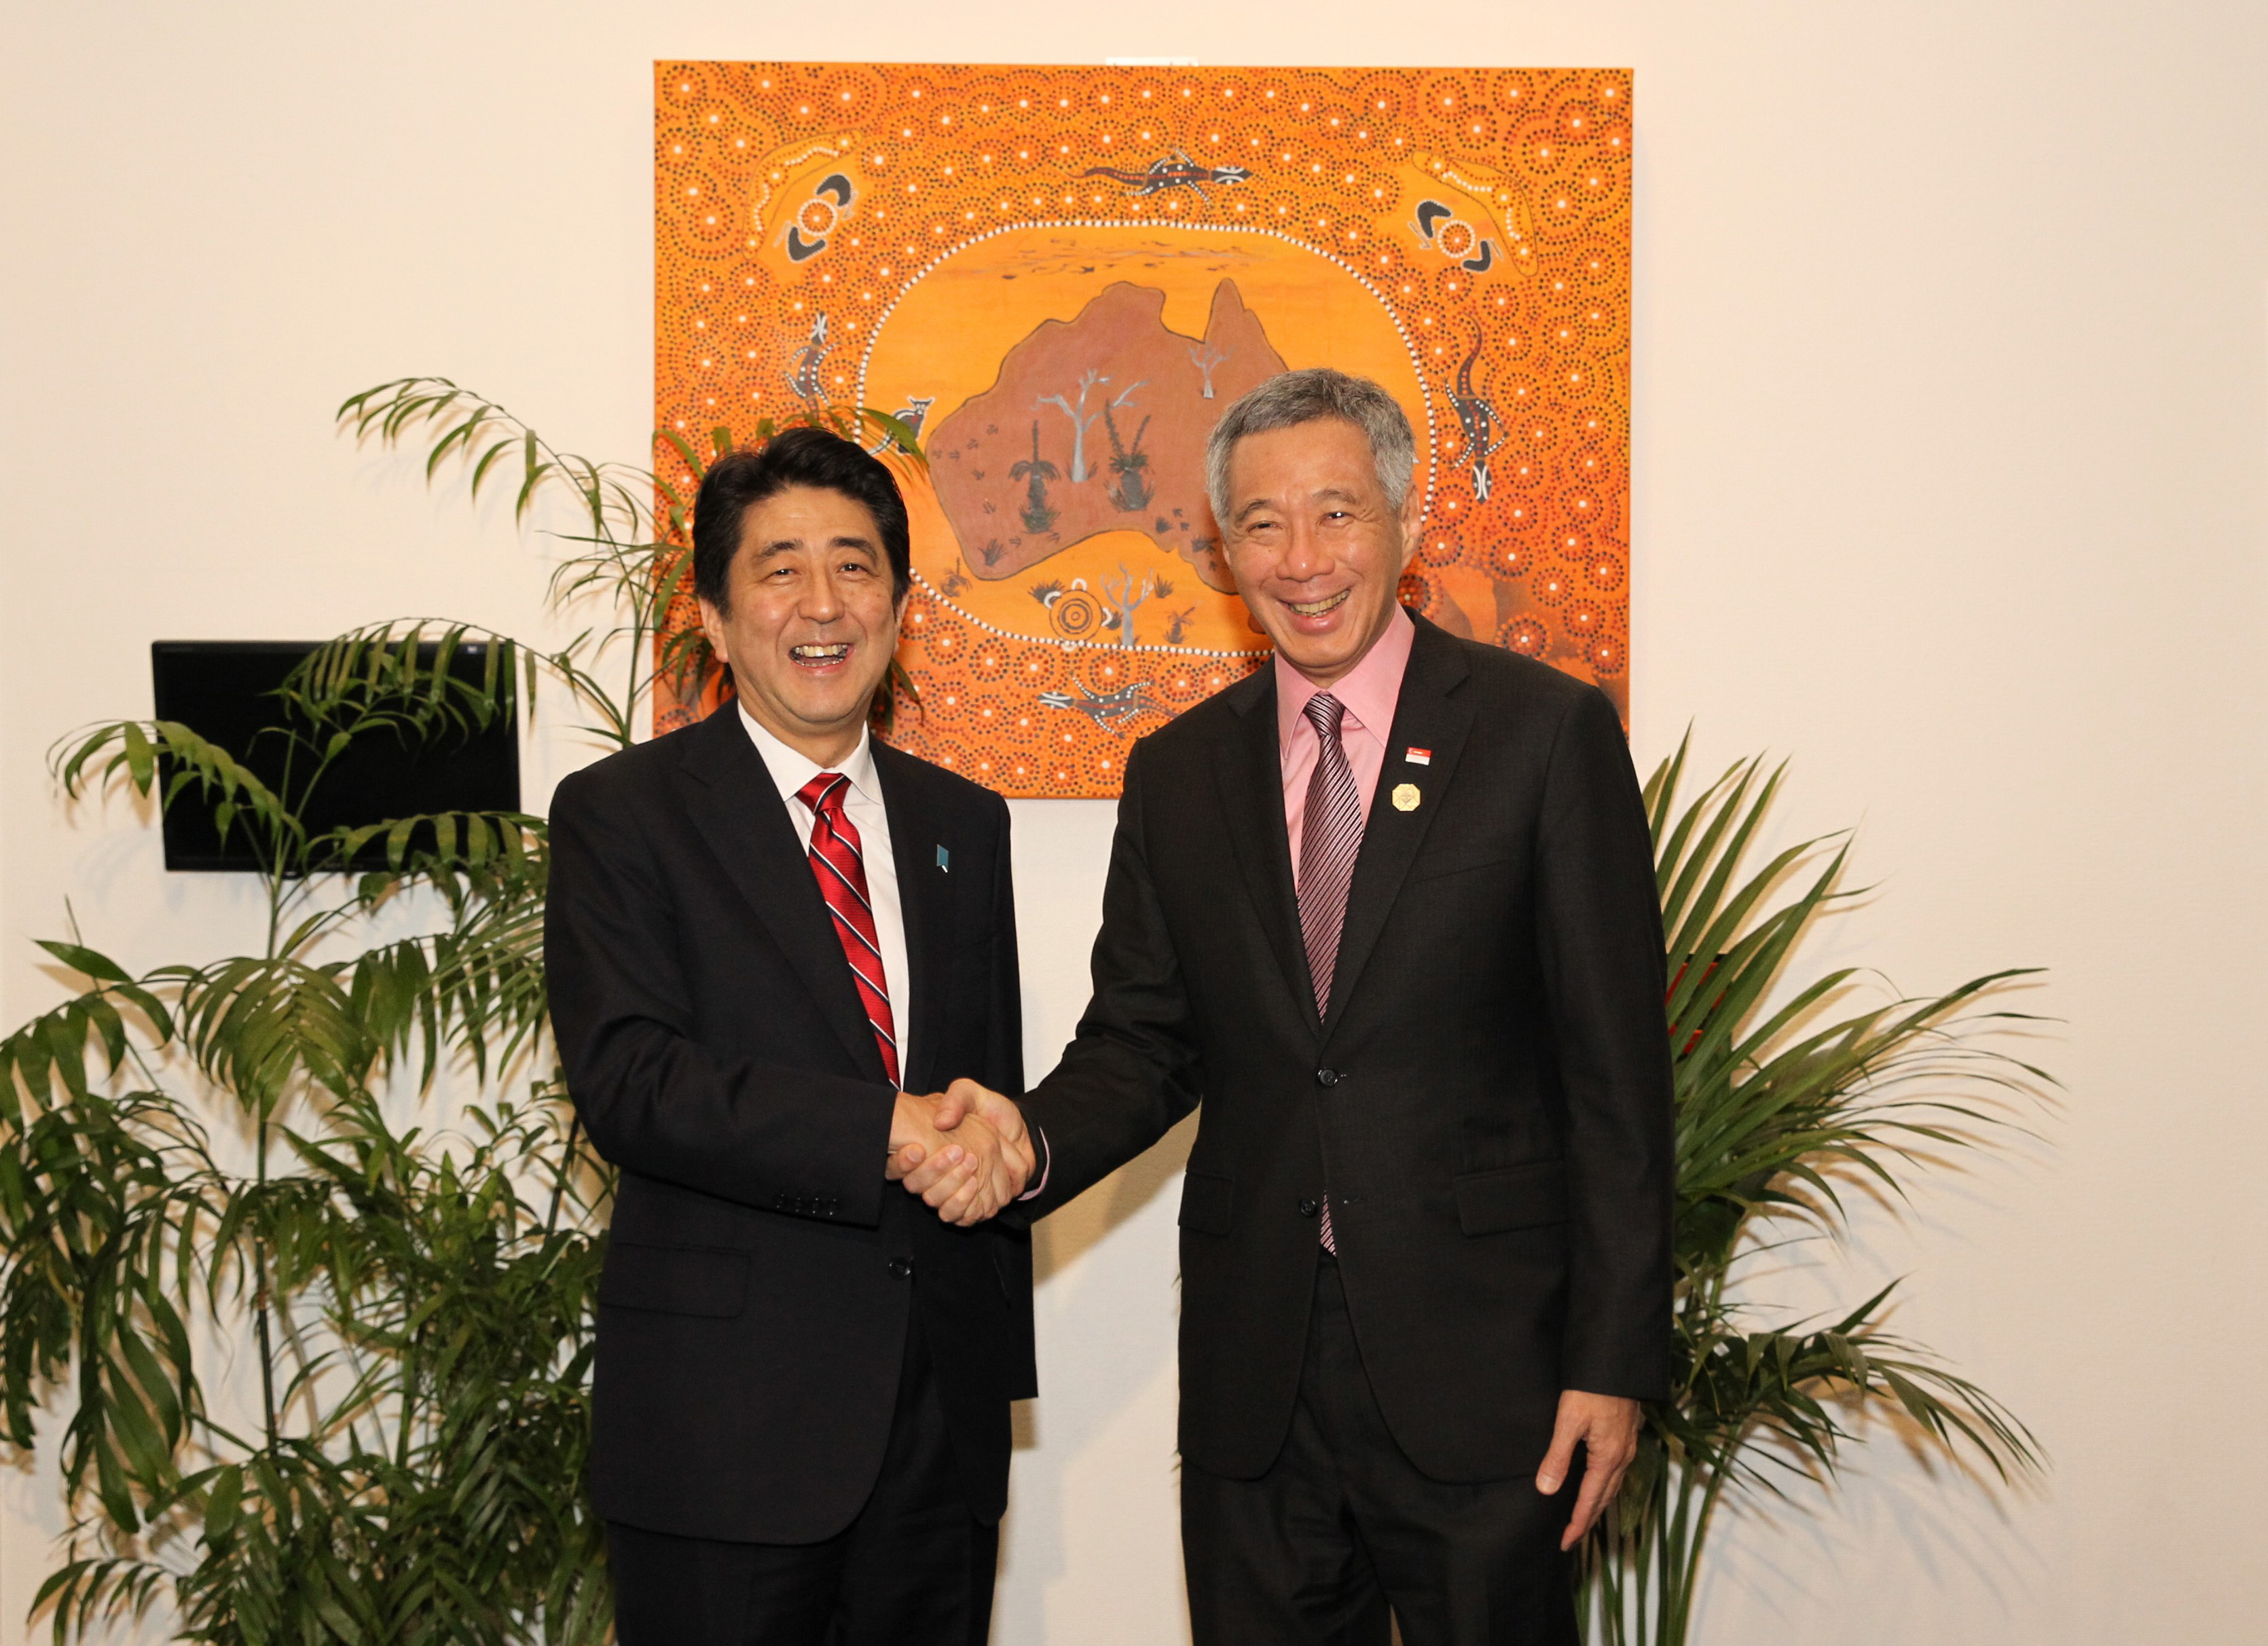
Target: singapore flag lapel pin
[1419,757]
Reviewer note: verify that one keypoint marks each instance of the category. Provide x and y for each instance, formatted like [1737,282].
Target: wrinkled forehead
[1322,431]
[1320,457]
[814,516]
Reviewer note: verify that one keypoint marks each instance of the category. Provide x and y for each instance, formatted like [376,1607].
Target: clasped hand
[965,1151]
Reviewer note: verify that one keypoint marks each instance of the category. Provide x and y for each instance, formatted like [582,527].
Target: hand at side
[1607,1426]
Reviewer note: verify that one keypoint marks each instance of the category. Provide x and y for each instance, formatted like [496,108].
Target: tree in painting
[1131,491]
[1036,472]
[1210,358]
[1082,420]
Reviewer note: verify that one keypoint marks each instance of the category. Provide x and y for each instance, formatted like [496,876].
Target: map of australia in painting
[1098,424]
[1064,380]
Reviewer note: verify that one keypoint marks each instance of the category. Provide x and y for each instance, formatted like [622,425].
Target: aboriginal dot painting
[1058,277]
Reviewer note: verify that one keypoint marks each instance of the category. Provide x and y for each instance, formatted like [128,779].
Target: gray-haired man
[1387,910]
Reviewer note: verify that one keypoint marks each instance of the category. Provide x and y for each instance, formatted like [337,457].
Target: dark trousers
[914,1569]
[1342,1527]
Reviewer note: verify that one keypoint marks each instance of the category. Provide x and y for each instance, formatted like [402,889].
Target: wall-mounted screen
[229,692]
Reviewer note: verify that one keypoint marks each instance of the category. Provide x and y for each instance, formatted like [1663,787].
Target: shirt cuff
[1046,1164]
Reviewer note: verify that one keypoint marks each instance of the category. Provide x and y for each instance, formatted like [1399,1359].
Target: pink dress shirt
[1369,692]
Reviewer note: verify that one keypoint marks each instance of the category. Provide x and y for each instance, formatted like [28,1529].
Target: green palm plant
[205,1164]
[1781,1107]
[203,1153]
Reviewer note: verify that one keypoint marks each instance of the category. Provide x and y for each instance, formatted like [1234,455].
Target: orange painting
[1059,276]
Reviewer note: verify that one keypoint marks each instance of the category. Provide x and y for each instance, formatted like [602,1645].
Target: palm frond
[1782,1092]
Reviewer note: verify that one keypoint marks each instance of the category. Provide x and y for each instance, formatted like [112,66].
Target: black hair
[793,457]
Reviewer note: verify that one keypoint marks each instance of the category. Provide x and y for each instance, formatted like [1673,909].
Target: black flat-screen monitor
[226,690]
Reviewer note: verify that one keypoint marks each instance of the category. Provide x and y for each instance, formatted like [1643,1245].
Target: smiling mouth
[834,653]
[1316,608]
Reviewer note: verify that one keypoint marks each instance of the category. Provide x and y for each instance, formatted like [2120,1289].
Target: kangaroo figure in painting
[913,414]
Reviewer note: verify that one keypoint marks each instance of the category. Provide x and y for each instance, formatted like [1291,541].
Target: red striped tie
[842,872]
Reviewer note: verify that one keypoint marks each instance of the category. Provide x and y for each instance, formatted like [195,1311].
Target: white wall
[1951,468]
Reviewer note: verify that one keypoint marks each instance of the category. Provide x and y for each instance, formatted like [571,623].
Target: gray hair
[1292,398]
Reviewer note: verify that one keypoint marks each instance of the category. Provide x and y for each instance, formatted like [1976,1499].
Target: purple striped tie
[1330,837]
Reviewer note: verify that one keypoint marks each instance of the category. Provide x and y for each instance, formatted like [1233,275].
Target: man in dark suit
[765,931]
[1387,909]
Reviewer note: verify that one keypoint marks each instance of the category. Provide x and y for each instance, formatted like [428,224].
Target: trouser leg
[1274,1563]
[1277,1561]
[1463,1563]
[1343,1523]
[915,1568]
[702,1592]
[918,1566]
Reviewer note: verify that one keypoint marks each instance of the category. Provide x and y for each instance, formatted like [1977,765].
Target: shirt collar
[1370,689]
[791,770]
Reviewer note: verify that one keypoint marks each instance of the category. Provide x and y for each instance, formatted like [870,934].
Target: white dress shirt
[863,805]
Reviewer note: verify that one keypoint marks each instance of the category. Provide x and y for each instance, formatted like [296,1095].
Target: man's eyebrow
[1257,503]
[841,539]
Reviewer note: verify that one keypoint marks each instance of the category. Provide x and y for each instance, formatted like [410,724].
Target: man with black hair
[766,933]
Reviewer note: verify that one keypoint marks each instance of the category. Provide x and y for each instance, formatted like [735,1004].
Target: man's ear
[1412,518]
[713,624]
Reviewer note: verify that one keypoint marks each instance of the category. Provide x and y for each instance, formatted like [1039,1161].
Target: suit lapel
[923,901]
[734,803]
[1248,767]
[1429,714]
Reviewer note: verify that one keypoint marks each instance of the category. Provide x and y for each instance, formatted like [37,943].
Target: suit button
[1308,1209]
[901,1268]
[1326,1076]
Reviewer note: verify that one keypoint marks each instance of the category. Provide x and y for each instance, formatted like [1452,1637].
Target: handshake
[965,1151]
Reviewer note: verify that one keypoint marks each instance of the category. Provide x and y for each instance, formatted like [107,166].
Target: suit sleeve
[1600,932]
[1131,1070]
[1004,1030]
[654,1100]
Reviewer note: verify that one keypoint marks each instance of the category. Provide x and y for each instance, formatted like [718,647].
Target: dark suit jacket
[761,1274]
[1487,1101]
